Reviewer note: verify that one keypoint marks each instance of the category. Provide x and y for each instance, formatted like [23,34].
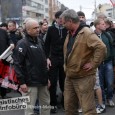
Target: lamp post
[113,3]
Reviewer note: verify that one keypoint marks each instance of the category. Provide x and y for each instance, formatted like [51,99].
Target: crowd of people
[80,57]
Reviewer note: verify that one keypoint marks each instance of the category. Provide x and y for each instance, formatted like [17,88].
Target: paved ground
[109,110]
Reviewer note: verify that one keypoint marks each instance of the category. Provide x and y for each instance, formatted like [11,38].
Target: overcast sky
[87,6]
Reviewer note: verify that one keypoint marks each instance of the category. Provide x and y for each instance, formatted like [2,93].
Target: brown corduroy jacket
[87,48]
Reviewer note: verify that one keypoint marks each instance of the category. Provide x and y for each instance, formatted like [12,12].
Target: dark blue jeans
[106,79]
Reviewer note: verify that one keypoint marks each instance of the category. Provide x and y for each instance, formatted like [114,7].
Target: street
[109,110]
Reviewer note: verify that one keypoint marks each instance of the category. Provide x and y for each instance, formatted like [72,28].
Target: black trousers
[56,73]
[2,92]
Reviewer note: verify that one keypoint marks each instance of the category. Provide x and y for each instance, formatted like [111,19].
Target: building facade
[19,10]
[107,9]
[37,9]
[54,6]
[11,10]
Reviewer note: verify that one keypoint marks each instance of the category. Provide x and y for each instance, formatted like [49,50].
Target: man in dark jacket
[13,33]
[4,43]
[55,38]
[31,68]
[106,74]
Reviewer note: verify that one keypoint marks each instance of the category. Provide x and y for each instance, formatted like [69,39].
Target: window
[109,14]
[46,10]
[28,13]
[33,4]
[46,1]
[28,2]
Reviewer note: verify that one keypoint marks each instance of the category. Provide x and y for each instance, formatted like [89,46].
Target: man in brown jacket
[83,52]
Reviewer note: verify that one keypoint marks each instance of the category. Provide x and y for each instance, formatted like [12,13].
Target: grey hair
[70,14]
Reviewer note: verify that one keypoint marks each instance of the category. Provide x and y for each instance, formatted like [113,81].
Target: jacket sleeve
[99,48]
[47,43]
[19,61]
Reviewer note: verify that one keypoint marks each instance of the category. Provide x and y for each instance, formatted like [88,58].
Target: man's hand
[24,88]
[87,66]
[48,63]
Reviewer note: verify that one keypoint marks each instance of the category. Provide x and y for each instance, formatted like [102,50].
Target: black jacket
[54,42]
[112,32]
[14,36]
[42,35]
[30,62]
[4,41]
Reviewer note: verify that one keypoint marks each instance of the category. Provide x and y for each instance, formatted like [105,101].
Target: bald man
[31,69]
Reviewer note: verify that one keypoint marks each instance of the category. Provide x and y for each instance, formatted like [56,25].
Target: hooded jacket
[15,36]
[87,48]
[55,38]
